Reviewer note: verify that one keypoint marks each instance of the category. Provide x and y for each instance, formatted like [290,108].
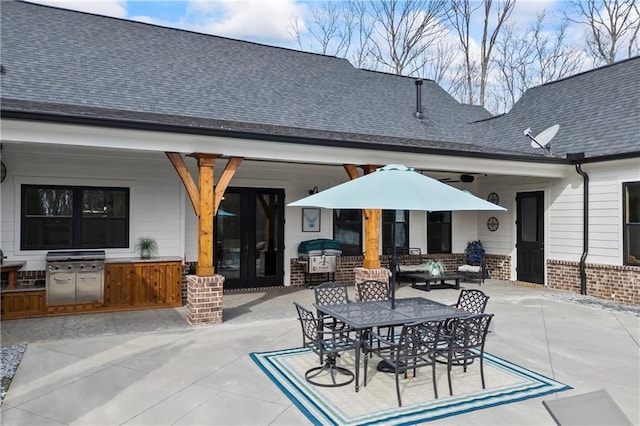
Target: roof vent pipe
[419,99]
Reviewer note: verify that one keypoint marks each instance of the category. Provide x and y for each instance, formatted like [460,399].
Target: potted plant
[147,247]
[435,268]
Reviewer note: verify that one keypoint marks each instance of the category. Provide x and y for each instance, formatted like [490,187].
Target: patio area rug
[377,404]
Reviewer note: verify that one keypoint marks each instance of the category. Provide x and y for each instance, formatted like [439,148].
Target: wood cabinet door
[173,279]
[157,283]
[146,288]
[118,284]
[23,304]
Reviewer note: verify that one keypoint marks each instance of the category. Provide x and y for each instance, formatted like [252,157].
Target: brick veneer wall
[204,299]
[499,266]
[610,282]
[30,278]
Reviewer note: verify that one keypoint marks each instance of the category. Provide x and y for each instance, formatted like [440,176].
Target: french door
[249,235]
[530,236]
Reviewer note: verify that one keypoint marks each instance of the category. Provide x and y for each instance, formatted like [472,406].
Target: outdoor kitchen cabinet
[143,284]
[23,304]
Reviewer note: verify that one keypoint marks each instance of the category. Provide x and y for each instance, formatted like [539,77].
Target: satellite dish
[543,138]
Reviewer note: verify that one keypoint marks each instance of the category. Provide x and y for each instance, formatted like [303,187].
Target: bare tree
[634,46]
[437,63]
[363,28]
[528,58]
[494,14]
[610,25]
[555,58]
[331,31]
[514,60]
[404,30]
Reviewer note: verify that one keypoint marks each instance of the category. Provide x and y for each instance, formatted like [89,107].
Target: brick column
[365,274]
[204,299]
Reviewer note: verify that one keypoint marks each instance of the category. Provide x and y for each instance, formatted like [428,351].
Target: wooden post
[205,200]
[371,223]
[205,220]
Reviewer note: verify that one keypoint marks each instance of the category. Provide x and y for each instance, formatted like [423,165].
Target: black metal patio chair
[370,291]
[327,344]
[466,341]
[415,348]
[331,293]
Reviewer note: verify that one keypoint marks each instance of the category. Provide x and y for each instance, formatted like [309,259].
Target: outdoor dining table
[366,315]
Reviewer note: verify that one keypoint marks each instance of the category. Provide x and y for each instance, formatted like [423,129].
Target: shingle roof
[598,112]
[63,62]
[60,57]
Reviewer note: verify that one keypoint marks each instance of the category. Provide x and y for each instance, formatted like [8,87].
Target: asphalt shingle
[598,112]
[72,63]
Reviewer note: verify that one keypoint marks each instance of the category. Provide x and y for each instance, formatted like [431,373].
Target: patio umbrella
[224,213]
[395,187]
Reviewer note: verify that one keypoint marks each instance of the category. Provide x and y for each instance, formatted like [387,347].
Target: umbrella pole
[393,264]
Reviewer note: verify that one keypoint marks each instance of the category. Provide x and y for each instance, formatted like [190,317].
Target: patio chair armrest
[382,339]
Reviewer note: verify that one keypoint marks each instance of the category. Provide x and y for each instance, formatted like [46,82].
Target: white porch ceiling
[21,131]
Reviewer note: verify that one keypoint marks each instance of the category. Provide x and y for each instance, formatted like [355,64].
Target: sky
[262,21]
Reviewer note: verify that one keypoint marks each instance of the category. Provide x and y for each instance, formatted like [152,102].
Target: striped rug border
[321,411]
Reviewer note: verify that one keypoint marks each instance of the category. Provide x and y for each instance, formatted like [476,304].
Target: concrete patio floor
[150,367]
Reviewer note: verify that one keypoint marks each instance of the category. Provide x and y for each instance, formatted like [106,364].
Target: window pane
[103,203]
[633,239]
[47,233]
[347,228]
[401,218]
[439,232]
[633,203]
[632,223]
[229,234]
[530,219]
[266,234]
[103,233]
[48,202]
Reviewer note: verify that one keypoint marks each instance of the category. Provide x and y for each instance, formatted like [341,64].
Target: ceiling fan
[464,178]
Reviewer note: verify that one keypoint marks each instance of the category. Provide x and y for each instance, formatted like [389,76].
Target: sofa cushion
[469,268]
[421,267]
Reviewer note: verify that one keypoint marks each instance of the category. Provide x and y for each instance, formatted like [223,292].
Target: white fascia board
[25,131]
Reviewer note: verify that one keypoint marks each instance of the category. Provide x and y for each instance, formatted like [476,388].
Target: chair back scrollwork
[473,301]
[372,290]
[331,293]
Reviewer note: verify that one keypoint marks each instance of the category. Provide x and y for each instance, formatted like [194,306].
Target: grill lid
[69,255]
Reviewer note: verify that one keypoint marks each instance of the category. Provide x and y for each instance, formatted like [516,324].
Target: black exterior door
[530,238]
[249,235]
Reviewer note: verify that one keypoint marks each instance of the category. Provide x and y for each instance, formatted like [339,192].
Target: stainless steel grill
[75,276]
[321,264]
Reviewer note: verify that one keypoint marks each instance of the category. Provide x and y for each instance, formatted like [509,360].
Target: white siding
[605,212]
[605,208]
[564,235]
[156,209]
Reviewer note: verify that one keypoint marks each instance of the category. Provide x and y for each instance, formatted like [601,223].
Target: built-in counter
[129,284]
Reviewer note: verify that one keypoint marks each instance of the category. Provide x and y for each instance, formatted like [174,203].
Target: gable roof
[598,112]
[57,60]
[77,67]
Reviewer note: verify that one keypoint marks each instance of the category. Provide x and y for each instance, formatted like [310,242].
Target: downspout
[585,213]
